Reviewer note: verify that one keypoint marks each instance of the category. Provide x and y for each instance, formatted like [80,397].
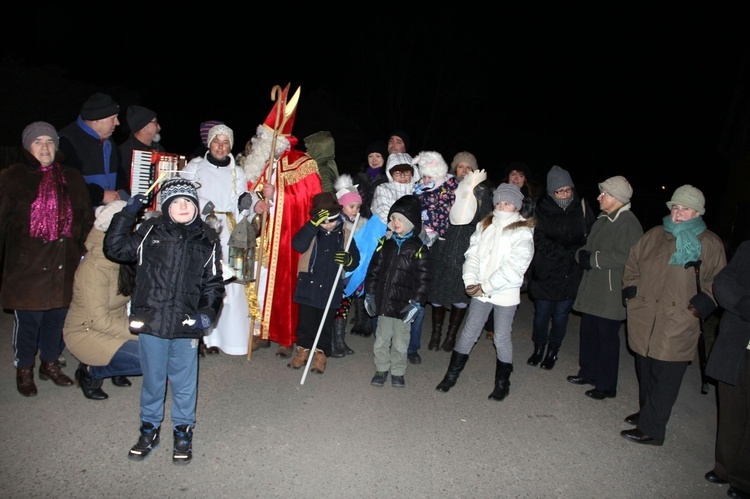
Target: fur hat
[205,127]
[377,146]
[618,187]
[99,106]
[221,130]
[510,193]
[404,136]
[398,159]
[431,163]
[558,178]
[105,212]
[36,130]
[326,201]
[464,157]
[138,117]
[688,196]
[346,191]
[177,187]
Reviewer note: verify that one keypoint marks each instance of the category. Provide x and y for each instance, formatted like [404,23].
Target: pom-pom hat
[346,191]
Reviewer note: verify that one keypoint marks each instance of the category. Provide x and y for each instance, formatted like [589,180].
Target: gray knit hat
[464,157]
[618,187]
[36,130]
[221,130]
[688,196]
[557,178]
[510,193]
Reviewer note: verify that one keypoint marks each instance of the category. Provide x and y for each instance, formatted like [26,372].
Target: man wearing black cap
[144,134]
[88,147]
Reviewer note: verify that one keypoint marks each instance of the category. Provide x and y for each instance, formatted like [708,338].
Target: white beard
[260,152]
[157,138]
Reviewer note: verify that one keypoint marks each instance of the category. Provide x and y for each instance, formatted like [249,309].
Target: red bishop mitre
[286,110]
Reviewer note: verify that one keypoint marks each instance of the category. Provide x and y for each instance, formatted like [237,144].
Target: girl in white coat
[500,251]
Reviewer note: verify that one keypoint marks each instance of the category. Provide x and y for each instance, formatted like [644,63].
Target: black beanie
[139,117]
[404,136]
[99,106]
[379,147]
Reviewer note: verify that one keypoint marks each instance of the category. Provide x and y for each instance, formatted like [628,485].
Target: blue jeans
[174,360]
[37,330]
[125,362]
[556,311]
[415,332]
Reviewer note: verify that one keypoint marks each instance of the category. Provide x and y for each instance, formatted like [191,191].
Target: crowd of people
[135,291]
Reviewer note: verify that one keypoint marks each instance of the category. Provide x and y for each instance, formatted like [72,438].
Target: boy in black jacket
[321,241]
[396,287]
[178,293]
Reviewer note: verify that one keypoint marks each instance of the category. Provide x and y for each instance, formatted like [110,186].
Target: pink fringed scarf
[51,214]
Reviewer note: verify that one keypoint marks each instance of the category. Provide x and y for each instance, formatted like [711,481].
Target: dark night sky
[600,92]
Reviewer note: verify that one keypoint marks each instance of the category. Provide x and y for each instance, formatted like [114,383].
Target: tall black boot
[340,348]
[549,360]
[537,356]
[502,380]
[458,361]
[457,316]
[438,317]
[90,386]
[182,452]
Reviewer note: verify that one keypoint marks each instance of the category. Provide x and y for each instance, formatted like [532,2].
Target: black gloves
[628,293]
[584,259]
[343,258]
[320,217]
[370,305]
[135,203]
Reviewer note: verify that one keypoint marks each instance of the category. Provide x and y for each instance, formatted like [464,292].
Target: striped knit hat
[178,187]
[205,127]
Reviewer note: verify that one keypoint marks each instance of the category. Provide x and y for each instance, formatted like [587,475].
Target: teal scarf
[686,233]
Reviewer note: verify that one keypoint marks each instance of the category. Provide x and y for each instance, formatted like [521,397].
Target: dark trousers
[307,328]
[38,330]
[599,351]
[733,437]
[556,311]
[658,386]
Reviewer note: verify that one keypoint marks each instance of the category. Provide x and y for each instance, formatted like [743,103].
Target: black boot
[438,317]
[147,442]
[457,316]
[537,356]
[339,348]
[90,386]
[549,360]
[502,381]
[182,453]
[458,361]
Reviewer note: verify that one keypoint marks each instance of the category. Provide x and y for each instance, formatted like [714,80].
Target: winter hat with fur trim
[557,178]
[431,163]
[690,197]
[618,187]
[105,212]
[464,157]
[138,117]
[36,130]
[99,106]
[510,193]
[223,130]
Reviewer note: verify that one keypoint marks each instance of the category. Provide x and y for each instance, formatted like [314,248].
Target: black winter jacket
[400,269]
[178,273]
[558,234]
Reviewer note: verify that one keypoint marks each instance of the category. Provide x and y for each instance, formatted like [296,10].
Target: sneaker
[414,358]
[379,378]
[147,442]
[398,381]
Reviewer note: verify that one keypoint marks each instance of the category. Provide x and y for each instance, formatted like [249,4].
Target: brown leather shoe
[25,381]
[319,362]
[258,343]
[300,359]
[51,370]
[284,352]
